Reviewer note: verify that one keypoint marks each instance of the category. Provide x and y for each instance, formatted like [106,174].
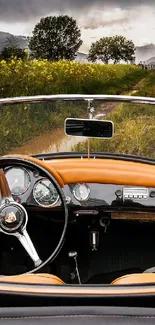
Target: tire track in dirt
[107,107]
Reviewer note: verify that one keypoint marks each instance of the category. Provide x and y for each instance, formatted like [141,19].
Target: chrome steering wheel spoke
[26,242]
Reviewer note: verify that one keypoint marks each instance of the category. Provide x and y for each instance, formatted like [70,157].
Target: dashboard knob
[68,199]
[152,194]
[72,254]
[118,193]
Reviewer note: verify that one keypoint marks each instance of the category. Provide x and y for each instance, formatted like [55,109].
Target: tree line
[56,38]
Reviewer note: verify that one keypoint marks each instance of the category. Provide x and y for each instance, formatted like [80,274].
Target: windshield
[76,47]
[38,127]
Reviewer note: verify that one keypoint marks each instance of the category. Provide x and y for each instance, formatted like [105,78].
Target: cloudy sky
[134,19]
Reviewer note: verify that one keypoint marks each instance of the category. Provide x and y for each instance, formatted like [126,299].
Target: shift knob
[72,254]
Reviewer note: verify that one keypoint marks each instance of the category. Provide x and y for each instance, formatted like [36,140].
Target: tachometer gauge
[45,193]
[18,180]
[81,192]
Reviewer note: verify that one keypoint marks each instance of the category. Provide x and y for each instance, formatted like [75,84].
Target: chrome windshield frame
[77,97]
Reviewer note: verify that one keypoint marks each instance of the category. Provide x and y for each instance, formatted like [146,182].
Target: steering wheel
[150,270]
[14,217]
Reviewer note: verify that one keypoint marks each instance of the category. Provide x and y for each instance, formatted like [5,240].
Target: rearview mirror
[89,128]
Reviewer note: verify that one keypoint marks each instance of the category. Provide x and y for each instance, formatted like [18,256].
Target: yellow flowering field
[23,78]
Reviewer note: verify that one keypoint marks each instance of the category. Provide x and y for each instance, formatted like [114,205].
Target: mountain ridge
[21,41]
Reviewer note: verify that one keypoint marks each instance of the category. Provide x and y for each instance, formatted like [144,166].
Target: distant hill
[21,41]
[151,60]
[81,57]
[144,53]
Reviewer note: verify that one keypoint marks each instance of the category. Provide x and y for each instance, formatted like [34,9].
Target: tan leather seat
[41,278]
[135,279]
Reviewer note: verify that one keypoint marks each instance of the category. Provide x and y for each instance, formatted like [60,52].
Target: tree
[12,52]
[11,49]
[114,48]
[55,38]
[100,50]
[122,49]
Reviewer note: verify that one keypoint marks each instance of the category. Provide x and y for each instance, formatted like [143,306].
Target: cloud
[99,18]
[135,23]
[26,10]
[132,22]
[134,19]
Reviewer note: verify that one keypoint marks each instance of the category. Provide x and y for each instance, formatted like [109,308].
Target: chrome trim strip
[77,290]
[45,98]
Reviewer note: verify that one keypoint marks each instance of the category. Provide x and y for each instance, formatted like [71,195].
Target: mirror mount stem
[91,111]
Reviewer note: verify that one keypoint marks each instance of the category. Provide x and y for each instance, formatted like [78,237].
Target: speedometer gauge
[18,180]
[81,192]
[45,193]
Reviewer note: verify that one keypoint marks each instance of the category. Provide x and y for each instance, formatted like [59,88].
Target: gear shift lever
[73,255]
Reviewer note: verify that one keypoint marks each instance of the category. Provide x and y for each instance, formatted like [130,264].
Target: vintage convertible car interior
[77,218]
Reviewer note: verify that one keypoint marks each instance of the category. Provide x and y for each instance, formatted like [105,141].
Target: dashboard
[110,198]
[32,189]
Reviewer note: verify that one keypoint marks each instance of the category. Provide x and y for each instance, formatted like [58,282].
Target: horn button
[12,218]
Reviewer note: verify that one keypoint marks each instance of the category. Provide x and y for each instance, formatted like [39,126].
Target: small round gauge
[81,192]
[18,180]
[45,193]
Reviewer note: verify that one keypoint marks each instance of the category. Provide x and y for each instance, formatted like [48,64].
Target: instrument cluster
[30,187]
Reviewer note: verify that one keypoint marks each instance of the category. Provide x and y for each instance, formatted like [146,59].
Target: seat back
[41,278]
[135,278]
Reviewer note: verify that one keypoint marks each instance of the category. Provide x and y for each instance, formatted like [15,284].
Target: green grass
[21,123]
[147,87]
